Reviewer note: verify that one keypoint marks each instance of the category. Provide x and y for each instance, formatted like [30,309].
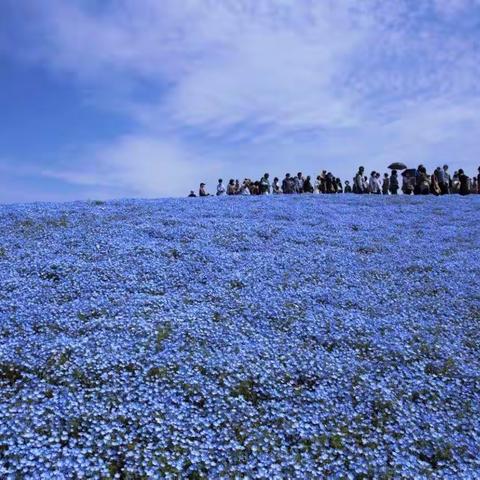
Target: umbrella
[397,166]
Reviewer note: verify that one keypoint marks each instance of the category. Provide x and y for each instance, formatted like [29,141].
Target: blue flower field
[288,337]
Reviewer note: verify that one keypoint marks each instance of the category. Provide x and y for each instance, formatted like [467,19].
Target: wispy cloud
[214,84]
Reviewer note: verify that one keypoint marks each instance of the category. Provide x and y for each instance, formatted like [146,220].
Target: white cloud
[140,166]
[237,80]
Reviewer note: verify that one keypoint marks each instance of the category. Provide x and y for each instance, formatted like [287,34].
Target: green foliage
[163,333]
[10,373]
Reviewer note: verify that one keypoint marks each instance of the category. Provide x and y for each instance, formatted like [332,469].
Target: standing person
[365,184]
[394,185]
[455,186]
[299,181]
[318,185]
[348,188]
[323,182]
[231,187]
[287,184]
[434,185]
[446,185]
[339,185]
[202,191]
[373,184]
[379,183]
[464,183]
[422,181]
[265,185]
[441,180]
[220,188]
[329,187]
[474,187]
[385,184]
[358,181]
[307,185]
[276,186]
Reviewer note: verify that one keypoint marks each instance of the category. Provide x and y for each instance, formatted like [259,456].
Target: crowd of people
[415,181]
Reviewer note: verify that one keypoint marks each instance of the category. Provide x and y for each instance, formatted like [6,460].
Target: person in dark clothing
[192,193]
[231,187]
[478,181]
[394,185]
[202,192]
[287,184]
[323,182]
[339,185]
[329,186]
[464,183]
[385,184]
[358,185]
[307,185]
[434,185]
[348,188]
[422,181]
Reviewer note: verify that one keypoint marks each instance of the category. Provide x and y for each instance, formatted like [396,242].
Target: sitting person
[245,188]
[192,194]
[202,192]
[220,188]
[231,190]
[348,188]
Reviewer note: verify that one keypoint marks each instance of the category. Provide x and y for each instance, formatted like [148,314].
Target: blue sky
[146,98]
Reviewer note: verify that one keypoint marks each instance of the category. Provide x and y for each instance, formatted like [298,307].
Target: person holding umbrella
[397,166]
[394,185]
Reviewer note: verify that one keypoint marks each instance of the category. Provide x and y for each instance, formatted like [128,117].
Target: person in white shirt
[276,186]
[373,186]
[244,189]
[220,187]
[265,185]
